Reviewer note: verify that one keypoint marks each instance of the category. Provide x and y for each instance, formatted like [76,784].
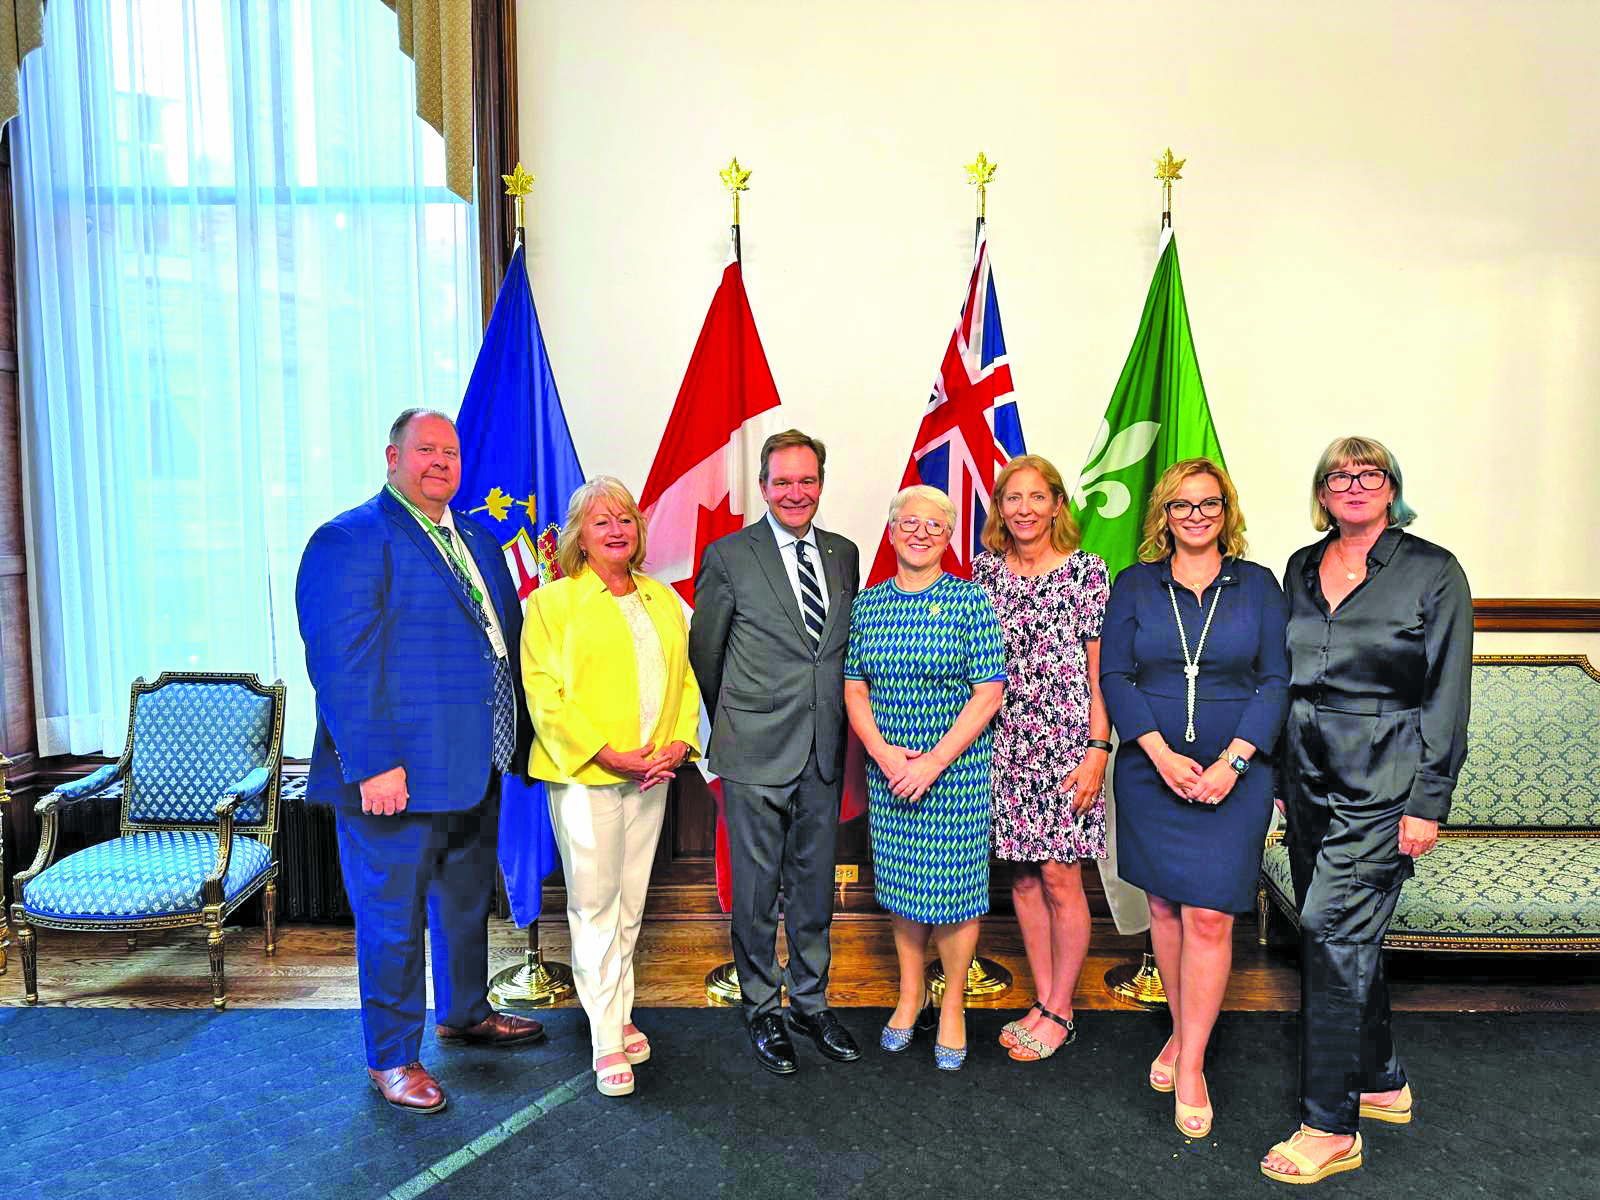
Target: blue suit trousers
[395,869]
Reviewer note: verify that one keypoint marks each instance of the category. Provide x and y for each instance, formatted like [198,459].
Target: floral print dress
[1042,728]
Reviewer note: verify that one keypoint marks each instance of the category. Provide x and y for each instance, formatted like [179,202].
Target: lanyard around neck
[443,539]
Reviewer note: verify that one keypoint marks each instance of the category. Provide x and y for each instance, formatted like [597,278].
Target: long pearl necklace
[1191,666]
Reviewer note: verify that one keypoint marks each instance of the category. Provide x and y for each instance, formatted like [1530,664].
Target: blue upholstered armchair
[199,781]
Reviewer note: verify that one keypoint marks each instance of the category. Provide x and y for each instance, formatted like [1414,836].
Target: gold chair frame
[214,907]
[5,929]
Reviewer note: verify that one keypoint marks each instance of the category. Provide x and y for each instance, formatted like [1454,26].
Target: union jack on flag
[970,428]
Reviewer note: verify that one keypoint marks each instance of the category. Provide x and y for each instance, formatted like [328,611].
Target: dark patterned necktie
[505,704]
[811,609]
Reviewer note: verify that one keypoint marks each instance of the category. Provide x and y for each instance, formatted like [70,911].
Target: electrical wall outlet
[846,873]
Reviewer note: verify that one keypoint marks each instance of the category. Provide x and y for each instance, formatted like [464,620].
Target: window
[236,261]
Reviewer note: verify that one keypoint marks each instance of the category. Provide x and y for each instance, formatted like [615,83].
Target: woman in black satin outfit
[1380,660]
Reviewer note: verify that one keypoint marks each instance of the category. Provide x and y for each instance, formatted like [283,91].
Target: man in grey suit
[767,642]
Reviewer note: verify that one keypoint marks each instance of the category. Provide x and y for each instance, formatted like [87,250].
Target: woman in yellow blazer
[615,711]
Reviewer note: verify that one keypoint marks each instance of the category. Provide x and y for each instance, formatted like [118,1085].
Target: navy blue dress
[1204,855]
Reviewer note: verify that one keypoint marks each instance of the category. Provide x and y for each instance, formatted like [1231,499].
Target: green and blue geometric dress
[919,654]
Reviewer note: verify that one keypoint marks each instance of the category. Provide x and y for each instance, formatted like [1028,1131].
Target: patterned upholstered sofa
[1518,866]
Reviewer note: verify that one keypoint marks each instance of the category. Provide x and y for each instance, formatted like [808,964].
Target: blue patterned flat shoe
[947,1059]
[895,1040]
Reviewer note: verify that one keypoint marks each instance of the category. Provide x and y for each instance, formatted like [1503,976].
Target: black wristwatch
[1238,762]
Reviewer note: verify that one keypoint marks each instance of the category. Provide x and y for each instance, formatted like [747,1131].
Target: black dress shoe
[774,1050]
[832,1038]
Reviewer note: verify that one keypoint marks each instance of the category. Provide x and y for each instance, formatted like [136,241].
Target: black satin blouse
[1401,640]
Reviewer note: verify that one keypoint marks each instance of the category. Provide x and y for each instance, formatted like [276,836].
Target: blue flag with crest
[518,470]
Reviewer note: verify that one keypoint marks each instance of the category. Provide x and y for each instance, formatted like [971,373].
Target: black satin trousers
[1348,767]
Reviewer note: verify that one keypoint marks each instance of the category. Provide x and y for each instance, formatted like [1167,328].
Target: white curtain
[236,263]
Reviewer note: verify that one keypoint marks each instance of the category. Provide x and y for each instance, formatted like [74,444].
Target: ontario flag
[970,427]
[704,481]
[518,470]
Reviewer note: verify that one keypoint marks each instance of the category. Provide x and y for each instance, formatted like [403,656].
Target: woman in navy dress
[1195,676]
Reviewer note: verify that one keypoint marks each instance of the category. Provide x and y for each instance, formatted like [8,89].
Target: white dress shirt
[786,552]
[497,637]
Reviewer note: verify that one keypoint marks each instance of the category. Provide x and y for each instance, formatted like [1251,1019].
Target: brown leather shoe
[409,1088]
[497,1029]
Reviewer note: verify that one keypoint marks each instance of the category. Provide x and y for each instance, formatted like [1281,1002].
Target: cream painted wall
[1386,227]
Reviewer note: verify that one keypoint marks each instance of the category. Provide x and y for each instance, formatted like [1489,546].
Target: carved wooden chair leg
[269,909]
[214,948]
[1263,911]
[30,961]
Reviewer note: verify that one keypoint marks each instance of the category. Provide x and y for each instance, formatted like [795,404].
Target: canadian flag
[704,481]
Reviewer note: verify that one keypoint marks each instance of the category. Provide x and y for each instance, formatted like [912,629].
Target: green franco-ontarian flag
[1157,416]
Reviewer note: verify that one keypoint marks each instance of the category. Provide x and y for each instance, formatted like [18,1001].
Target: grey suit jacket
[770,698]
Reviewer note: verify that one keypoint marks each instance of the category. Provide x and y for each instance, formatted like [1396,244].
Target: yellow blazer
[582,680]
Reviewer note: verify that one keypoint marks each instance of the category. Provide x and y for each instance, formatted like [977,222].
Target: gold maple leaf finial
[518,184]
[1168,169]
[980,172]
[735,179]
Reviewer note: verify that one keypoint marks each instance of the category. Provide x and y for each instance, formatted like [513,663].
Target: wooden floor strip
[315,968]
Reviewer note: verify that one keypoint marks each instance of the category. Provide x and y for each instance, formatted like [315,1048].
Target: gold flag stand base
[985,978]
[1140,984]
[533,984]
[722,986]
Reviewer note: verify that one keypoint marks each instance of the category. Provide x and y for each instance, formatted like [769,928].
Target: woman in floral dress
[1051,735]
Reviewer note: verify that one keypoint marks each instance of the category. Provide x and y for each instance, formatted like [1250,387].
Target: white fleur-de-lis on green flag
[1157,416]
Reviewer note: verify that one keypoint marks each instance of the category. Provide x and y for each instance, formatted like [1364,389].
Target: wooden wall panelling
[1537,616]
[494,67]
[18,733]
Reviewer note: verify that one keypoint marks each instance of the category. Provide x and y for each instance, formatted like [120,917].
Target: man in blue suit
[408,613]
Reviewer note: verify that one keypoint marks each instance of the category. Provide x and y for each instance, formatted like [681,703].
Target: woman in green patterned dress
[924,675]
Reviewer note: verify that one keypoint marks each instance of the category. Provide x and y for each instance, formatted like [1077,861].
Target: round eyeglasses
[912,524]
[1211,506]
[1369,479]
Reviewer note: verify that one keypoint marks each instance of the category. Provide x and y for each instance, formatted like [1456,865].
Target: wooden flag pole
[986,978]
[980,173]
[1168,169]
[1142,984]
[736,179]
[722,981]
[532,983]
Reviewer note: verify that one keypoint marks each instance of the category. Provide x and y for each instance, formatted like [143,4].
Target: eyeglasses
[1370,480]
[912,524]
[1211,506]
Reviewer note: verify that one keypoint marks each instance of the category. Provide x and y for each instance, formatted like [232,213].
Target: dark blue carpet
[132,1104]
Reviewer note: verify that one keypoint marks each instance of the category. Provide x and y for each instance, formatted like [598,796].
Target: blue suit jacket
[403,673]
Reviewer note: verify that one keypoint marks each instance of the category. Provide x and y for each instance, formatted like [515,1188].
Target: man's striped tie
[811,610]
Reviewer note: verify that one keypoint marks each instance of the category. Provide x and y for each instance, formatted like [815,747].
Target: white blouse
[651,661]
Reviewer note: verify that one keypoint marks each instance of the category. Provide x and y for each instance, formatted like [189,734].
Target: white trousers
[607,836]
